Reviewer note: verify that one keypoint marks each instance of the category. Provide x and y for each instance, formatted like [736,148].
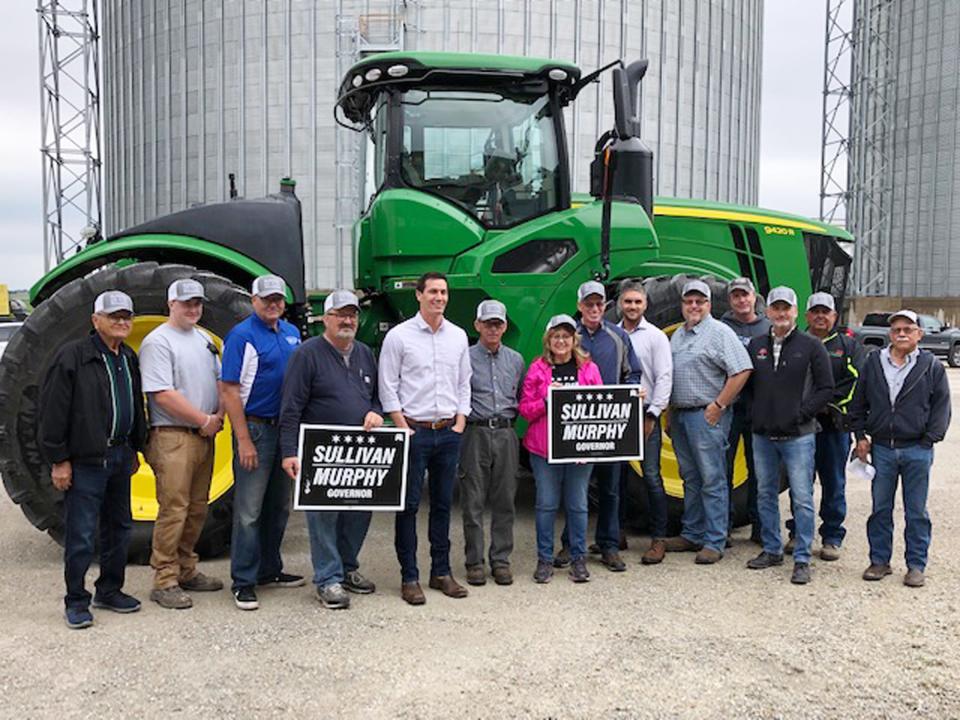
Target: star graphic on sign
[371,440]
[335,439]
[579,396]
[589,396]
[348,438]
[609,396]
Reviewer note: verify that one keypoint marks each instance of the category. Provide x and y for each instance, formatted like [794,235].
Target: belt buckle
[492,423]
[436,424]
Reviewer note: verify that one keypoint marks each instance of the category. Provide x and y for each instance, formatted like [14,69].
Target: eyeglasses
[344,315]
[593,305]
[695,301]
[117,319]
[903,331]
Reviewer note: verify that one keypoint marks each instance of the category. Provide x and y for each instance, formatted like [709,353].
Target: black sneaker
[801,573]
[246,598]
[284,580]
[562,558]
[544,572]
[354,582]
[579,572]
[613,561]
[118,602]
[764,560]
[78,618]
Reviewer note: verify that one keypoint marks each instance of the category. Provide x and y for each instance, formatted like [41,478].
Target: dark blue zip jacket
[612,352]
[319,388]
[921,413]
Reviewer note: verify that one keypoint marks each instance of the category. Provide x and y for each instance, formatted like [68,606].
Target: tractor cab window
[493,155]
[829,261]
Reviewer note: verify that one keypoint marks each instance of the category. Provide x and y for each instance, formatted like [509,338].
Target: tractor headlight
[558,74]
[397,71]
[373,74]
[357,81]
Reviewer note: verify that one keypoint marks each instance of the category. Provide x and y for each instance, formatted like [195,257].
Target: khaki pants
[183,464]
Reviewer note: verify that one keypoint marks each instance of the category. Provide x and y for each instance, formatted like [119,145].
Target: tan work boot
[914,578]
[681,544]
[171,598]
[876,572]
[708,556]
[654,555]
[476,575]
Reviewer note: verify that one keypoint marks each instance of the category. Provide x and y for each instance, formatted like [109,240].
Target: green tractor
[467,173]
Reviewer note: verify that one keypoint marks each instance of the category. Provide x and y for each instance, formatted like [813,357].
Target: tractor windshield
[493,155]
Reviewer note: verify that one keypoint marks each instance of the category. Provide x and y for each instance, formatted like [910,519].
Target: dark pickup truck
[942,340]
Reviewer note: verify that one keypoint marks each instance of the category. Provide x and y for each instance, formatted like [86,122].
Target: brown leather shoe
[708,556]
[654,555]
[914,578]
[476,575]
[680,544]
[448,586]
[502,575]
[876,572]
[412,593]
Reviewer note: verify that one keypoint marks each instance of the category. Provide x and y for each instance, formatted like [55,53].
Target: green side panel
[145,247]
[407,233]
[467,61]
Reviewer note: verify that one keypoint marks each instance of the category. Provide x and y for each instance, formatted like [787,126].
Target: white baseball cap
[340,299]
[591,287]
[782,294]
[821,299]
[267,285]
[562,319]
[696,286]
[906,315]
[186,289]
[491,310]
[112,301]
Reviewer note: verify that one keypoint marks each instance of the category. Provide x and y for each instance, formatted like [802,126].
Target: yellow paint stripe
[672,211]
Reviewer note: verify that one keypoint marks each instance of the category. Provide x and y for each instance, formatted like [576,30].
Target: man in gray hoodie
[743,319]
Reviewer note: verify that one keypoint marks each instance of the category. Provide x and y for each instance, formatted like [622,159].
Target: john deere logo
[775,230]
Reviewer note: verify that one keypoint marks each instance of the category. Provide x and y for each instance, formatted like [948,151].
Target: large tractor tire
[663,310]
[66,316]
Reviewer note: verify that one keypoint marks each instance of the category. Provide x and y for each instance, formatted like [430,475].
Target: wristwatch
[717,403]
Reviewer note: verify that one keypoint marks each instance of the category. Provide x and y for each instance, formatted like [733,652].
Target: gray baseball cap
[340,299]
[112,301]
[782,294]
[906,315]
[267,285]
[562,319]
[821,299]
[185,289]
[491,310]
[741,283]
[696,286]
[591,287]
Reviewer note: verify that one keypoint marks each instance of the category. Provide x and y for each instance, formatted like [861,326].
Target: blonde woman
[563,363]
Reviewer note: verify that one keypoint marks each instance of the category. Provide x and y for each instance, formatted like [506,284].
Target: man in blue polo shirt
[255,356]
[611,350]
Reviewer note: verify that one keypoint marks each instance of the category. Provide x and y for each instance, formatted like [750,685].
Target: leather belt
[177,428]
[493,423]
[695,407]
[431,425]
[262,420]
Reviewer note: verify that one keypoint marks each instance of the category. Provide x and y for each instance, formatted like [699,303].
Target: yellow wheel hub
[143,484]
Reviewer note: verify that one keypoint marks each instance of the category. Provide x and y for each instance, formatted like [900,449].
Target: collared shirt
[425,374]
[121,390]
[495,383]
[611,351]
[704,356]
[895,374]
[652,348]
[255,356]
[778,345]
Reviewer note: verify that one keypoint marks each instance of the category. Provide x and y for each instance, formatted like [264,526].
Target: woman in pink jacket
[563,363]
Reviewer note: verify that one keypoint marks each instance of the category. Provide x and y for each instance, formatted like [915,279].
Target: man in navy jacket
[903,404]
[332,380]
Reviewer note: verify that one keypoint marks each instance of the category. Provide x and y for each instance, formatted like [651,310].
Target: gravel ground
[676,640]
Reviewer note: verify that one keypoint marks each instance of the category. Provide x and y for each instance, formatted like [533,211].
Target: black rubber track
[66,316]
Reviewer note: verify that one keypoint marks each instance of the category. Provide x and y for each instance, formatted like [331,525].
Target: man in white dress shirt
[425,387]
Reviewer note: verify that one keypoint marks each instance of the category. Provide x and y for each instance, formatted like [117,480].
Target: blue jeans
[555,483]
[740,428]
[653,482]
[435,452]
[796,454]
[833,450]
[608,477]
[912,465]
[261,507]
[97,491]
[701,450]
[335,542]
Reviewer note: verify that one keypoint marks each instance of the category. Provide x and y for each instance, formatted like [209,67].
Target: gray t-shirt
[182,360]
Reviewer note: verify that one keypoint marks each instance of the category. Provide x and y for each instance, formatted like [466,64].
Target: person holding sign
[652,348]
[255,356]
[563,363]
[791,383]
[610,350]
[332,379]
[425,386]
[490,452]
[710,368]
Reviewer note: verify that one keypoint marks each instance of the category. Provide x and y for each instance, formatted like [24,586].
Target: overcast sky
[789,144]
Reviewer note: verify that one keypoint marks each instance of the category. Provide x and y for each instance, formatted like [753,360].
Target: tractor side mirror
[626,88]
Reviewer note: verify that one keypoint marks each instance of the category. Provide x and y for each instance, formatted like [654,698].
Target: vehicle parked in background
[942,340]
[7,330]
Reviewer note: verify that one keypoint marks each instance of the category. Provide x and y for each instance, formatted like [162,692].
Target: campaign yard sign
[594,423]
[349,468]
